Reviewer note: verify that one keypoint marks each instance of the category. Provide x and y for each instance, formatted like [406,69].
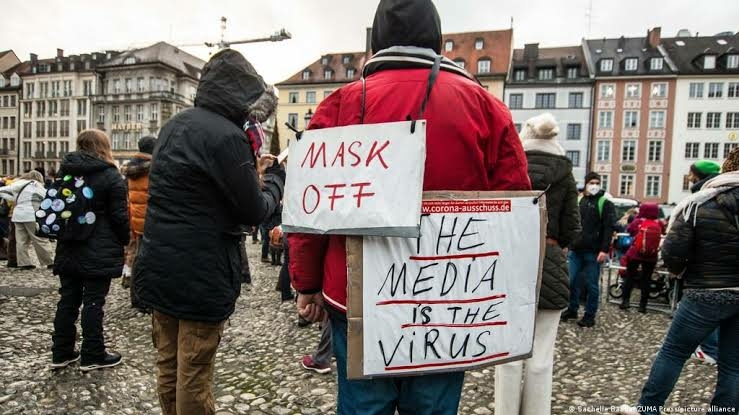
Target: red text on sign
[312,195]
[317,155]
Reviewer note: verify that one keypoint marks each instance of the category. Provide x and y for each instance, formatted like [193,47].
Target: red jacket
[646,211]
[471,144]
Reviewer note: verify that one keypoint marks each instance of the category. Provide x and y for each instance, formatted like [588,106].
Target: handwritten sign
[356,180]
[463,294]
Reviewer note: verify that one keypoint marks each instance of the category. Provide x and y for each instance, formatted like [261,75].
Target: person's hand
[310,306]
[602,257]
[265,161]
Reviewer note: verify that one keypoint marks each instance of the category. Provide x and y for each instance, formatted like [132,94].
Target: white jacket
[25,208]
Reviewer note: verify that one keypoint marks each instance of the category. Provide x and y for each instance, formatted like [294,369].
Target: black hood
[547,168]
[79,162]
[231,87]
[406,23]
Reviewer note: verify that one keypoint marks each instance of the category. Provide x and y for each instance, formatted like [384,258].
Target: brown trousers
[187,351]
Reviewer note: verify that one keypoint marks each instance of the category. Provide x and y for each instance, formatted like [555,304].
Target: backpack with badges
[66,213]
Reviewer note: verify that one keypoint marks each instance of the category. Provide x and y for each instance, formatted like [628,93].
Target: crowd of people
[180,244]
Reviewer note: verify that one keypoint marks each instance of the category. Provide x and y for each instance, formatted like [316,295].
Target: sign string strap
[432,80]
[536,199]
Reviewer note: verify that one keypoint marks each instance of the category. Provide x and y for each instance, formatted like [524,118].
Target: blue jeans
[710,345]
[584,264]
[693,322]
[419,395]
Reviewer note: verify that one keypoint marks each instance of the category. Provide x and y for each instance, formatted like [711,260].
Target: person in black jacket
[85,268]
[597,215]
[189,265]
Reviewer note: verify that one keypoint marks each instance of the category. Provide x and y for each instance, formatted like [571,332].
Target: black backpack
[66,213]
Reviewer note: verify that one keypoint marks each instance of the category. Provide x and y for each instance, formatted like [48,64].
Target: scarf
[719,184]
[254,131]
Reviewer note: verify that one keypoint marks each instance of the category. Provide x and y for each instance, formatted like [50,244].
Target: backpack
[66,213]
[648,237]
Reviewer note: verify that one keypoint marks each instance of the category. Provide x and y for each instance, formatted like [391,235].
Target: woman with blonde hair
[90,251]
[26,193]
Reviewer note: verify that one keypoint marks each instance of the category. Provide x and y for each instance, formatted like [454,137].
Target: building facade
[554,80]
[140,90]
[706,105]
[10,86]
[634,96]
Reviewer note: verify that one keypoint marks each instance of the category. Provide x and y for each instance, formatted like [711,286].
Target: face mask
[593,189]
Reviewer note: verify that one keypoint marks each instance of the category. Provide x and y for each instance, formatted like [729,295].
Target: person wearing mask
[701,246]
[550,171]
[473,147]
[590,249]
[86,265]
[203,186]
[646,231]
[26,193]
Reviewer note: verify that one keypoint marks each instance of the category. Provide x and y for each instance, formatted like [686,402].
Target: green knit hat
[705,168]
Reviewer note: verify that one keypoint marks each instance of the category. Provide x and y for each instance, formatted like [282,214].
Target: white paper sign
[356,180]
[462,295]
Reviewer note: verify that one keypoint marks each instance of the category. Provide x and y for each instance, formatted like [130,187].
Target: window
[154,112]
[710,151]
[715,89]
[350,73]
[517,126]
[27,129]
[626,187]
[30,89]
[732,61]
[709,62]
[117,86]
[12,123]
[448,45]
[479,44]
[116,115]
[310,97]
[67,88]
[519,75]
[87,88]
[546,100]
[5,123]
[604,181]
[656,119]
[64,111]
[127,113]
[40,108]
[691,150]
[631,64]
[292,119]
[459,62]
[5,101]
[27,109]
[483,66]
[603,150]
[694,119]
[129,61]
[101,114]
[64,128]
[631,119]
[81,107]
[605,119]
[12,100]
[655,151]
[713,120]
[733,90]
[732,120]
[328,73]
[515,101]
[81,126]
[574,131]
[139,113]
[346,59]
[326,94]
[324,61]
[659,90]
[696,90]
[140,84]
[607,91]
[306,75]
[52,129]
[53,108]
[654,186]
[727,148]
[575,100]
[573,72]
[574,157]
[606,65]
[633,91]
[628,151]
[546,74]
[655,64]
[293,97]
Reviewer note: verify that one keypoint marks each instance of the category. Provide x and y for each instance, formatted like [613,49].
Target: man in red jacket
[471,144]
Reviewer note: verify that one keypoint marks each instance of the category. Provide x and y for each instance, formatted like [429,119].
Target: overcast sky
[321,26]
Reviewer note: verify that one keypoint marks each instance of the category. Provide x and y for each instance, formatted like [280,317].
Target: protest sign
[462,295]
[356,180]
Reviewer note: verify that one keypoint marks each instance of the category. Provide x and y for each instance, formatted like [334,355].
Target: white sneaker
[703,357]
[627,410]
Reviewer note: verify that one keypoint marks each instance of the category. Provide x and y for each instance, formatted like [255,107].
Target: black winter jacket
[203,186]
[597,228]
[563,225]
[102,254]
[709,251]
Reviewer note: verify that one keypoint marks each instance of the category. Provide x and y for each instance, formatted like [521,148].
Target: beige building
[10,85]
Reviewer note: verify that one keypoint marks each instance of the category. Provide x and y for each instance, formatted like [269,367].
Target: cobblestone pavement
[257,366]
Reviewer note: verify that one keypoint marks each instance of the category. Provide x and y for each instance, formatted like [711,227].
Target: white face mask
[593,189]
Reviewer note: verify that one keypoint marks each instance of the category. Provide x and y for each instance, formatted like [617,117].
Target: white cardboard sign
[462,295]
[356,180]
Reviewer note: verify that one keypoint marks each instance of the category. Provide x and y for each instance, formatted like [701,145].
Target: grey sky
[320,26]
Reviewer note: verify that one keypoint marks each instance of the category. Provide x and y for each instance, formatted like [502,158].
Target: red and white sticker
[466,206]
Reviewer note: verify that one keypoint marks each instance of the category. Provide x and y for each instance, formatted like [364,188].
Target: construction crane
[278,36]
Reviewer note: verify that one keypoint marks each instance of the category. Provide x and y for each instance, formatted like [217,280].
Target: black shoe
[586,322]
[624,306]
[643,309]
[109,360]
[12,264]
[65,361]
[27,267]
[246,278]
[303,322]
[50,266]
[266,260]
[568,315]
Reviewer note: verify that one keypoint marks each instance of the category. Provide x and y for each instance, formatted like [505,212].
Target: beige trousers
[25,237]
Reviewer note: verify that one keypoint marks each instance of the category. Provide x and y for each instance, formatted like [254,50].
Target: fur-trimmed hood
[139,166]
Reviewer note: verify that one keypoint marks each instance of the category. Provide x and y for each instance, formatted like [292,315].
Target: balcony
[51,154]
[4,152]
[38,154]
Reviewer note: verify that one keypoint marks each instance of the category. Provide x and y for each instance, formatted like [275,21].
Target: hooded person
[517,392]
[473,147]
[702,171]
[203,186]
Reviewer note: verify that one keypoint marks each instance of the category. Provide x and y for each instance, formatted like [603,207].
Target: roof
[532,57]
[5,52]
[688,53]
[19,68]
[161,52]
[621,49]
[334,62]
[496,46]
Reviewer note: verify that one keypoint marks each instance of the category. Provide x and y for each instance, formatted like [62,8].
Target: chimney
[368,45]
[59,53]
[34,58]
[531,51]
[654,37]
